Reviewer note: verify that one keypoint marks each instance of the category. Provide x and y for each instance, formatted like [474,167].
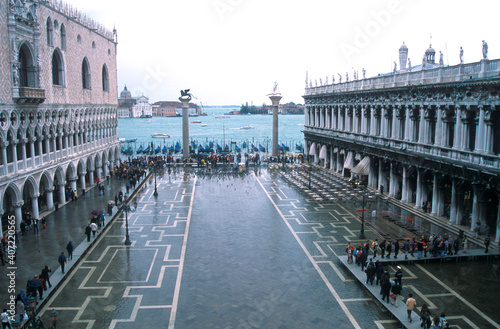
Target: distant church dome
[125,93]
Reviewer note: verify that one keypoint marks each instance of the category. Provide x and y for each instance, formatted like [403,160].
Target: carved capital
[35,196]
[49,189]
[17,204]
[5,144]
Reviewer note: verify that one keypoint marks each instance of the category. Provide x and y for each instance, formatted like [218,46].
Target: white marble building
[424,134]
[58,104]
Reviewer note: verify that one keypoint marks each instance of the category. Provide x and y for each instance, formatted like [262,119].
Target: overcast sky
[232,51]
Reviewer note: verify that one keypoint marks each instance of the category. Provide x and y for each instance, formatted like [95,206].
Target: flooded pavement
[226,249]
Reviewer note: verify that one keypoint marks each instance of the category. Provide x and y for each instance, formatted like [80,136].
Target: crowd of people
[366,257]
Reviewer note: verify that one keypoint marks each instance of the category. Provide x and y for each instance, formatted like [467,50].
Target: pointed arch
[105,78]
[50,32]
[26,67]
[63,37]
[57,68]
[86,74]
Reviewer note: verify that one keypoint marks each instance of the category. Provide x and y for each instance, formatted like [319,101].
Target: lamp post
[126,208]
[156,191]
[362,232]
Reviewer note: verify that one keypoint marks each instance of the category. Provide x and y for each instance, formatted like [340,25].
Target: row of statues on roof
[355,76]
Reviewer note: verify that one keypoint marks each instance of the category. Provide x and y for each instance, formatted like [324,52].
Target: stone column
[18,213]
[475,206]
[404,191]
[185,99]
[418,201]
[480,131]
[24,143]
[72,182]
[423,127]
[439,127]
[371,174]
[275,98]
[82,180]
[32,150]
[306,116]
[435,195]
[458,129]
[453,205]
[34,206]
[407,124]
[50,198]
[380,175]
[91,177]
[62,194]
[4,146]
[391,183]
[497,232]
[488,133]
[99,172]
[13,144]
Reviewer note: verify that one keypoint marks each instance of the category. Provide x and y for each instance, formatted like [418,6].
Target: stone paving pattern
[242,251]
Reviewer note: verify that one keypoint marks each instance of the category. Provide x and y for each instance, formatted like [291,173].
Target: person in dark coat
[396,249]
[70,248]
[88,230]
[386,290]
[62,260]
[33,285]
[45,276]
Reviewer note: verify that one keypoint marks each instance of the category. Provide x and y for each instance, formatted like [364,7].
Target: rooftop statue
[409,65]
[333,79]
[485,50]
[441,60]
[326,80]
[364,73]
[461,55]
[340,78]
[346,77]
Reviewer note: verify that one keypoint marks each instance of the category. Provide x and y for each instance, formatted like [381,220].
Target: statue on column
[461,55]
[485,50]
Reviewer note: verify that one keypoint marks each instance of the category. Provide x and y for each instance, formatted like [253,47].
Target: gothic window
[86,74]
[26,69]
[57,68]
[63,37]
[50,31]
[93,45]
[105,78]
[79,39]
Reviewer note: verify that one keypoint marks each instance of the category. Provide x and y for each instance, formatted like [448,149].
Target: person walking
[35,226]
[34,285]
[487,242]
[389,249]
[382,248]
[443,323]
[386,288]
[425,316]
[399,275]
[406,248]
[62,260]
[70,248]
[465,244]
[5,319]
[396,290]
[396,248]
[45,276]
[410,305]
[88,230]
[93,227]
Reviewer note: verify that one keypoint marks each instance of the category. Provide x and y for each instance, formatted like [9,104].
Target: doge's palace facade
[58,104]
[428,136]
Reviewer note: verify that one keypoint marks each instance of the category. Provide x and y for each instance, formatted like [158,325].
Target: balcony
[29,95]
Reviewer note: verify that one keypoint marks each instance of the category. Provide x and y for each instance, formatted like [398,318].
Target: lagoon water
[222,131]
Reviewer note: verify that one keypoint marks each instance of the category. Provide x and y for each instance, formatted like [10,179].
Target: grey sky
[232,51]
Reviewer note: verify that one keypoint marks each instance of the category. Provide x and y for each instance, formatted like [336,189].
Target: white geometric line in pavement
[457,295]
[335,268]
[379,323]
